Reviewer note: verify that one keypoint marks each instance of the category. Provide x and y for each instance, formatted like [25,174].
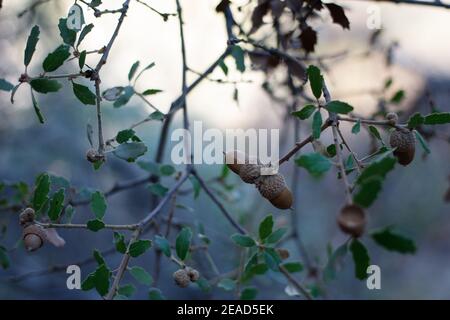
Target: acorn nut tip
[405,144]
[352,220]
[33,237]
[181,278]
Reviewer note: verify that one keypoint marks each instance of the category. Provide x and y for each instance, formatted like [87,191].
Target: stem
[84,226]
[101,143]
[295,283]
[359,166]
[140,95]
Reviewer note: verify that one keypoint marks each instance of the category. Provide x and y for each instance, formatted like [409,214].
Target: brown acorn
[250,172]
[392,117]
[33,237]
[181,278]
[193,274]
[274,189]
[352,220]
[283,253]
[26,217]
[234,160]
[405,144]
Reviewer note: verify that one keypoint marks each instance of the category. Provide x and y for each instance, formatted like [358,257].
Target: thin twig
[295,283]
[84,226]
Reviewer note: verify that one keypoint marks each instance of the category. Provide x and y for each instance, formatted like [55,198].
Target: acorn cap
[33,237]
[234,160]
[270,187]
[250,172]
[402,140]
[392,117]
[26,216]
[352,220]
[193,274]
[181,278]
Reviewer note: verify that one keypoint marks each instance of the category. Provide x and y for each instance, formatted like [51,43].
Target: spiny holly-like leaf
[315,80]
[338,107]
[356,127]
[98,204]
[360,258]
[265,227]
[315,163]
[119,242]
[56,59]
[130,151]
[141,276]
[393,241]
[415,120]
[338,15]
[68,36]
[139,247]
[437,118]
[95,225]
[98,257]
[317,125]
[84,94]
[368,192]
[422,141]
[36,108]
[45,85]
[305,112]
[88,28]
[163,245]
[42,188]
[183,242]
[243,240]
[133,70]
[99,280]
[56,205]
[32,41]
[239,58]
[5,85]
[377,168]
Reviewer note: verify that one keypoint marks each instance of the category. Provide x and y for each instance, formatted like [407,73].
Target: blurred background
[414,37]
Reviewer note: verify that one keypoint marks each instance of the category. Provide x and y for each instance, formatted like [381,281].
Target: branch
[295,283]
[84,226]
[165,16]
[101,143]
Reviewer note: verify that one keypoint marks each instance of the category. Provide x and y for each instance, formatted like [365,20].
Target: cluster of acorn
[33,235]
[272,187]
[183,277]
[403,140]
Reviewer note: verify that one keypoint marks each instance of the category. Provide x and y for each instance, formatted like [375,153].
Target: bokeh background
[412,198]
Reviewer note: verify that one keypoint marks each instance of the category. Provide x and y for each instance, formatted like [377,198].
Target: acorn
[250,172]
[352,220]
[26,217]
[193,274]
[405,144]
[274,189]
[283,253]
[234,160]
[33,237]
[392,117]
[93,156]
[181,278]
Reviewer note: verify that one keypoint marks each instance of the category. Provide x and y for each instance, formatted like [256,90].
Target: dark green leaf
[95,225]
[127,290]
[45,85]
[95,3]
[155,294]
[139,247]
[5,85]
[158,189]
[223,66]
[141,275]
[305,112]
[125,96]
[238,55]
[84,94]
[163,245]
[157,116]
[393,241]
[315,163]
[130,151]
[293,266]
[56,59]
[276,235]
[4,259]
[265,227]
[196,185]
[82,59]
[99,258]
[316,125]
[356,127]
[183,242]
[42,188]
[374,131]
[99,279]
[272,259]
[398,97]
[36,108]
[167,170]
[338,107]
[88,28]
[98,204]
[315,80]
[377,168]
[32,41]
[368,192]
[437,118]
[125,135]
[243,240]
[149,92]
[56,205]
[259,269]
[119,242]
[68,36]
[331,150]
[422,141]
[415,120]
[249,293]
[227,284]
[133,70]
[360,258]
